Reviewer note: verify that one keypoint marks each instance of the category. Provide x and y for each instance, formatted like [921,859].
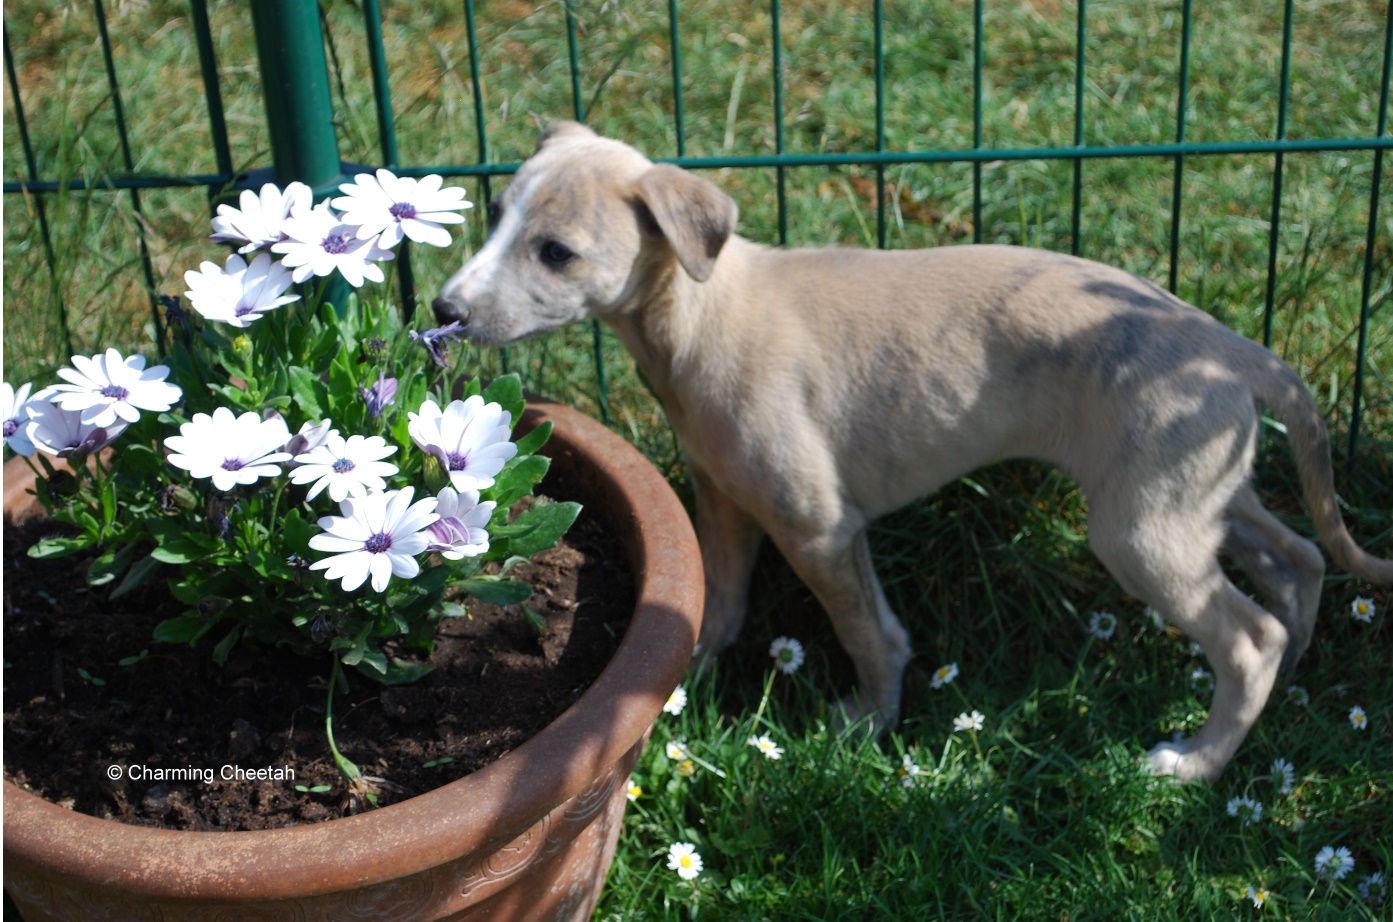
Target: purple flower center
[378,543]
[343,466]
[243,310]
[402,210]
[335,244]
[233,464]
[115,391]
[11,427]
[458,462]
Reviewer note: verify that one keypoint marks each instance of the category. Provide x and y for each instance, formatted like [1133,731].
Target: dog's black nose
[447,310]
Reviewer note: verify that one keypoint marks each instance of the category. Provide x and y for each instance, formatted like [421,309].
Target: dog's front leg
[838,569]
[729,540]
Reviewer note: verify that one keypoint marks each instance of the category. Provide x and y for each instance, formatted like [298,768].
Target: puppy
[779,369]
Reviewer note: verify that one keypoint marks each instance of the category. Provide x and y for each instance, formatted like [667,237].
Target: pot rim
[485,809]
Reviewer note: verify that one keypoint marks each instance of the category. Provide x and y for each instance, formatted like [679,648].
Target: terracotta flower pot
[529,837]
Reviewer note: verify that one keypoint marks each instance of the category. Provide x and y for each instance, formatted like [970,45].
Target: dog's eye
[556,254]
[495,211]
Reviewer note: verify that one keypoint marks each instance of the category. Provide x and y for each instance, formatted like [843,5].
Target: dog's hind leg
[838,570]
[1285,568]
[730,540]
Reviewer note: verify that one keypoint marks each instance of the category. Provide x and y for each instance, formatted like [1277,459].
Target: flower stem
[347,769]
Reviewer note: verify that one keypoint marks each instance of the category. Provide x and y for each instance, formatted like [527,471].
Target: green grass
[1044,813]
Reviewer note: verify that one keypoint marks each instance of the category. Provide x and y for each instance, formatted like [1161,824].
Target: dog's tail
[1285,394]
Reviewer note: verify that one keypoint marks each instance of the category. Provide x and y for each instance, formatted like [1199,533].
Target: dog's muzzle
[448,310]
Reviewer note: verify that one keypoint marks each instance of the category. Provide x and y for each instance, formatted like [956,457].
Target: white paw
[1174,760]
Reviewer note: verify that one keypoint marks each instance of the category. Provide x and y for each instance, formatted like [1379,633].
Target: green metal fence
[299,109]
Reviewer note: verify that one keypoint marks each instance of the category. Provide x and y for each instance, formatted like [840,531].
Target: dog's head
[581,231]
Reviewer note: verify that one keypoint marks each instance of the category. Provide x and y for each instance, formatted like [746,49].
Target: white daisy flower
[462,529]
[676,701]
[1284,774]
[346,467]
[676,751]
[56,431]
[973,721]
[1362,609]
[16,418]
[1334,863]
[908,771]
[787,653]
[633,790]
[398,206]
[1102,624]
[238,293]
[1258,895]
[766,746]
[310,437]
[378,535]
[1373,889]
[944,675]
[1202,680]
[230,449]
[469,438]
[107,387]
[1358,719]
[683,859]
[319,242]
[1298,695]
[1247,810]
[258,223]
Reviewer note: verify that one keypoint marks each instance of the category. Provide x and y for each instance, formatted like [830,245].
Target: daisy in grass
[1362,609]
[230,449]
[462,529]
[1358,719]
[378,535]
[16,418]
[1202,680]
[1258,895]
[1102,624]
[257,224]
[1298,696]
[766,746]
[944,675]
[1334,863]
[56,431]
[908,771]
[676,701]
[240,292]
[1284,775]
[633,791]
[973,721]
[394,207]
[683,859]
[107,387]
[345,467]
[787,654]
[1373,889]
[676,751]
[1247,810]
[317,242]
[469,439]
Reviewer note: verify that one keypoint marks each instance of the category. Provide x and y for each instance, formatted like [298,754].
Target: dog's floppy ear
[561,129]
[693,216]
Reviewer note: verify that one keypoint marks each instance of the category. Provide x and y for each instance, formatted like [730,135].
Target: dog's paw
[853,715]
[1175,761]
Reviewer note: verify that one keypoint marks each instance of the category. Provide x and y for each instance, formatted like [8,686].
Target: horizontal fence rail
[878,157]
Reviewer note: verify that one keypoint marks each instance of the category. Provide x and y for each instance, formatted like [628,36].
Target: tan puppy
[780,368]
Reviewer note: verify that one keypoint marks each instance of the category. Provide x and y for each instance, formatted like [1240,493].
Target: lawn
[1045,811]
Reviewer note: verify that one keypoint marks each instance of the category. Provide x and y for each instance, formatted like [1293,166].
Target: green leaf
[310,393]
[109,566]
[60,547]
[529,444]
[183,629]
[516,480]
[497,591]
[507,392]
[535,530]
[396,672]
[140,571]
[225,645]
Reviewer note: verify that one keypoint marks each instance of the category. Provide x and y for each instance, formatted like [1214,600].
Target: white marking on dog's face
[565,247]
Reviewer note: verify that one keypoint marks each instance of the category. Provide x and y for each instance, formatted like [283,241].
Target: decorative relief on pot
[404,898]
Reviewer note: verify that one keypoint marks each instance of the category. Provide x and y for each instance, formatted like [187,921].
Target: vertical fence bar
[1180,113]
[387,138]
[779,181]
[212,92]
[1076,221]
[478,89]
[142,245]
[977,122]
[1274,233]
[880,122]
[676,46]
[32,168]
[1367,289]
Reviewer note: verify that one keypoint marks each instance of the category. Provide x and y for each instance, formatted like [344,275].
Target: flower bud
[436,477]
[242,346]
[176,498]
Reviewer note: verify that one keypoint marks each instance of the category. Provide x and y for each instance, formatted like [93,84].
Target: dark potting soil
[86,689]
